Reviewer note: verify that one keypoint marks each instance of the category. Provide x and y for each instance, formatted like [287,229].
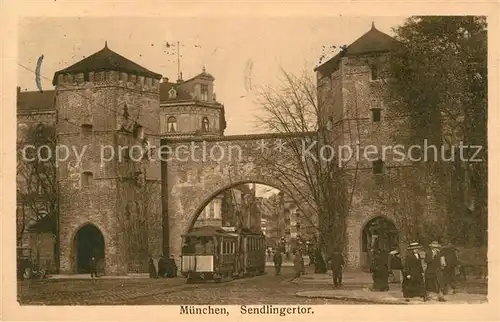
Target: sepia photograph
[274,163]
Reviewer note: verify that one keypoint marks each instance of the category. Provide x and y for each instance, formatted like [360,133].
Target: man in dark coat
[298,263]
[278,260]
[413,276]
[433,272]
[337,265]
[171,267]
[449,271]
[161,267]
[319,262]
[152,268]
[93,267]
[380,270]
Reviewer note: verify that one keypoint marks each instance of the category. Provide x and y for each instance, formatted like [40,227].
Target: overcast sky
[242,53]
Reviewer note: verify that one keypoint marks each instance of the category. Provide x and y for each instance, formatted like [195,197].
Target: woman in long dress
[413,275]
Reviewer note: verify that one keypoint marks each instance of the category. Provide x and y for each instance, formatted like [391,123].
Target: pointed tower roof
[371,42]
[106,60]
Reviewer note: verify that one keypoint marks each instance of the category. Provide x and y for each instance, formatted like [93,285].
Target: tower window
[86,129]
[378,166]
[204,93]
[172,93]
[205,125]
[87,177]
[376,114]
[374,72]
[171,124]
[138,132]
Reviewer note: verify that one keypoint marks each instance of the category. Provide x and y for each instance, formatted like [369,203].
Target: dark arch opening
[89,242]
[217,192]
[379,232]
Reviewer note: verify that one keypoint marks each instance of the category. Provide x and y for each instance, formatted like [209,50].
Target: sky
[242,53]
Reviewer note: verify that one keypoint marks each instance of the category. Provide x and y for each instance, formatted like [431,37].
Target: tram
[214,253]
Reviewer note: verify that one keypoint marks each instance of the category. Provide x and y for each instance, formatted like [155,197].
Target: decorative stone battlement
[107,78]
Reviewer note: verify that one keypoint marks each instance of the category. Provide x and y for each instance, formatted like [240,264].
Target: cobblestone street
[256,290]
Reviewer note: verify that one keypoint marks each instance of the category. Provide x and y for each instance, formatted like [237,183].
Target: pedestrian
[319,262]
[278,260]
[161,267]
[433,272]
[171,267]
[380,270]
[152,268]
[93,267]
[449,252]
[311,256]
[413,275]
[298,263]
[395,266]
[337,265]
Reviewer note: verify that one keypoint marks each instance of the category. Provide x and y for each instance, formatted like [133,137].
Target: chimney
[18,89]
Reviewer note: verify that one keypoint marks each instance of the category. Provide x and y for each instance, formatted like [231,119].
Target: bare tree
[305,159]
[38,189]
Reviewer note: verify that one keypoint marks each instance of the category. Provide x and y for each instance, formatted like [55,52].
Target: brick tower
[108,110]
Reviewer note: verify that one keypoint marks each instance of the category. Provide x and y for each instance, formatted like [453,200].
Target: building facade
[106,104]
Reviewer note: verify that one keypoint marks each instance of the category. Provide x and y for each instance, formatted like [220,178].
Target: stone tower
[108,112]
[353,103]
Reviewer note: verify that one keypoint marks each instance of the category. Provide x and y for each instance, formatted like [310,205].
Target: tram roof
[207,231]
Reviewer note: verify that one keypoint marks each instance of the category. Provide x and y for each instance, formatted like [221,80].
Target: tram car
[214,253]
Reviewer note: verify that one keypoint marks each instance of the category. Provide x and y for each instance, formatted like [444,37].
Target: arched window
[87,177]
[172,93]
[205,125]
[374,72]
[378,166]
[171,124]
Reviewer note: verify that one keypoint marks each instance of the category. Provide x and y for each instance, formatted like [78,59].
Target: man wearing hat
[433,272]
[413,277]
[449,252]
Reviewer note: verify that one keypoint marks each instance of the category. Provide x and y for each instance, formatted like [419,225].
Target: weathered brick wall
[104,102]
[399,193]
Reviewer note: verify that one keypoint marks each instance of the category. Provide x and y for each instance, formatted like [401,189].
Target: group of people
[298,262]
[166,268]
[429,274]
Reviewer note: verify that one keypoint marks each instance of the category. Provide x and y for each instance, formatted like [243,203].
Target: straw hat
[394,252]
[414,245]
[435,244]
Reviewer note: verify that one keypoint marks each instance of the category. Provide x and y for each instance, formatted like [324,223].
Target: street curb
[393,301]
[358,299]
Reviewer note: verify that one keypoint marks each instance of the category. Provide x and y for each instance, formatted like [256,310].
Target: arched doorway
[380,232]
[89,242]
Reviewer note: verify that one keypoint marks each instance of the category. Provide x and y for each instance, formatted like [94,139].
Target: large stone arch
[190,185]
[208,194]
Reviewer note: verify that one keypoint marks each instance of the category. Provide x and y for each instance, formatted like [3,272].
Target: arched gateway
[88,243]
